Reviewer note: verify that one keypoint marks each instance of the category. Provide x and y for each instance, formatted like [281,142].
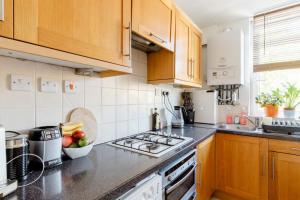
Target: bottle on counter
[155,120]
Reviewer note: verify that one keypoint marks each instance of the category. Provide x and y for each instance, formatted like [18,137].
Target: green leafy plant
[274,98]
[291,96]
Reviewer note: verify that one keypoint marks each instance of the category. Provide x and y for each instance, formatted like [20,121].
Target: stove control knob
[170,178]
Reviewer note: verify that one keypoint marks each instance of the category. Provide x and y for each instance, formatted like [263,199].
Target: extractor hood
[143,44]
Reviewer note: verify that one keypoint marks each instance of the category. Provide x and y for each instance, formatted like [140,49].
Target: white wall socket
[20,83]
[49,86]
[70,87]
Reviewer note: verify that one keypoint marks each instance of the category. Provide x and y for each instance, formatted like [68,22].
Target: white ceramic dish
[74,153]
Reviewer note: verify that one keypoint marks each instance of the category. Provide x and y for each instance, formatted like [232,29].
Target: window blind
[276,42]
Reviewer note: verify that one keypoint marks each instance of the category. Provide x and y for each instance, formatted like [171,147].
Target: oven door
[184,187]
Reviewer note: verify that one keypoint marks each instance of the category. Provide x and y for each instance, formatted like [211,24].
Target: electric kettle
[177,117]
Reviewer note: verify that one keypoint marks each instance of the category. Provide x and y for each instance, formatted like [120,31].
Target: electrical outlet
[20,83]
[70,87]
[165,93]
[49,86]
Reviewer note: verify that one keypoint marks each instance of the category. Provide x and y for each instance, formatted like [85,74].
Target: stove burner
[152,146]
[169,140]
[129,141]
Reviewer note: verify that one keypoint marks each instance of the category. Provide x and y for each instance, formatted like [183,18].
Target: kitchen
[160,99]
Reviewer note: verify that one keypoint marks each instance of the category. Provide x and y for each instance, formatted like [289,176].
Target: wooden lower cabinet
[284,179]
[206,174]
[241,166]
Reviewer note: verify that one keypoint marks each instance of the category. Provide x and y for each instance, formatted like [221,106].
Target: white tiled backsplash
[122,105]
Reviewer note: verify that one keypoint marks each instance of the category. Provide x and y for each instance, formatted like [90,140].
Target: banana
[70,128]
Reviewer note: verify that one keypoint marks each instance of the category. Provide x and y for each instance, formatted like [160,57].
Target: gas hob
[151,143]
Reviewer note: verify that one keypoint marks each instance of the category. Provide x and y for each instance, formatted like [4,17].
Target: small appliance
[205,106]
[17,151]
[46,142]
[189,114]
[6,186]
[177,117]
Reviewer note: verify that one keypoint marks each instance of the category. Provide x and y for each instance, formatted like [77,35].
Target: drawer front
[289,147]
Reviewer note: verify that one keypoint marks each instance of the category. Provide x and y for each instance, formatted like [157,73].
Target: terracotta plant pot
[271,110]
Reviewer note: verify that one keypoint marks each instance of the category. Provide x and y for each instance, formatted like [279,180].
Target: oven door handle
[169,190]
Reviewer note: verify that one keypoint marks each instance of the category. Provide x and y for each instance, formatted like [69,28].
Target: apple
[78,134]
[67,141]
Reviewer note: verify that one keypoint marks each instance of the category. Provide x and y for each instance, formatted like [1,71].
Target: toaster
[46,142]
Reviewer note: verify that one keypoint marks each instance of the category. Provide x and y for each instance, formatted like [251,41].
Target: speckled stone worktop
[108,172]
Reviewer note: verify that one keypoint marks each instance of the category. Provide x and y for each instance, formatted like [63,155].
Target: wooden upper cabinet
[196,56]
[242,168]
[182,49]
[284,176]
[6,18]
[99,29]
[206,174]
[154,20]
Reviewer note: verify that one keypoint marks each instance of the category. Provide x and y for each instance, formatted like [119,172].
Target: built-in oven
[179,178]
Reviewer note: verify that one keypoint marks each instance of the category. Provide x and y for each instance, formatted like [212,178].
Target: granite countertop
[106,173]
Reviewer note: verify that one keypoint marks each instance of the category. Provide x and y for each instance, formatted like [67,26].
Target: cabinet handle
[263,166]
[157,37]
[129,39]
[273,168]
[1,10]
[200,171]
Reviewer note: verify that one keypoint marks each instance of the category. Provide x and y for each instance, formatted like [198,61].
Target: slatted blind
[276,39]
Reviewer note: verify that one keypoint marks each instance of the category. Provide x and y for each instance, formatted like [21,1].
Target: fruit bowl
[74,153]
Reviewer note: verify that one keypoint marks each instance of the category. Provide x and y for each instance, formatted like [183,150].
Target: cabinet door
[196,56]
[182,46]
[242,166]
[155,20]
[284,176]
[6,18]
[206,169]
[97,29]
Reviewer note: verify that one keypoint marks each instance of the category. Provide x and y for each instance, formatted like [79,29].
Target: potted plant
[291,100]
[270,102]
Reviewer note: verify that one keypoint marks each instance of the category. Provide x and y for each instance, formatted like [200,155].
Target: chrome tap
[255,123]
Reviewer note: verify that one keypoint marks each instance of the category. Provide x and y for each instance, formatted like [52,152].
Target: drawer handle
[157,37]
[295,149]
[273,168]
[1,10]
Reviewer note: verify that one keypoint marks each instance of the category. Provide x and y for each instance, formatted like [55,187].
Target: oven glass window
[183,188]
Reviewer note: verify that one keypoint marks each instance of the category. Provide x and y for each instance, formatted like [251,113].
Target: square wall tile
[133,97]
[122,129]
[108,96]
[122,97]
[92,96]
[133,82]
[106,133]
[48,116]
[122,82]
[122,113]
[133,127]
[108,114]
[109,82]
[132,112]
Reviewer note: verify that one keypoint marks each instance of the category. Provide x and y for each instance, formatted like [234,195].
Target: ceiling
[212,12]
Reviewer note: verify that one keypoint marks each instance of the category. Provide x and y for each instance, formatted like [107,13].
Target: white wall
[245,90]
[122,105]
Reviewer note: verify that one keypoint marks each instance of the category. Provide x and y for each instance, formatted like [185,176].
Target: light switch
[20,83]
[70,87]
[49,86]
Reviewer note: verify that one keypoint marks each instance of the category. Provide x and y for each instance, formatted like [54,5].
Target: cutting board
[89,121]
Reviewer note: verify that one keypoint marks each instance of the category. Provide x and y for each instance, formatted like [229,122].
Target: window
[276,51]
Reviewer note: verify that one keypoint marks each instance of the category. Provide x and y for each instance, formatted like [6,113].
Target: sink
[238,127]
